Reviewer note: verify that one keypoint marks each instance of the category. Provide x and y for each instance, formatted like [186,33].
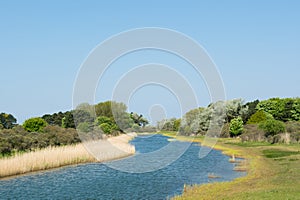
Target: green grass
[249,144]
[275,153]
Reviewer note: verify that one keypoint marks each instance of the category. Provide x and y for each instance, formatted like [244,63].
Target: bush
[85,127]
[272,127]
[236,126]
[36,124]
[258,117]
[106,128]
[293,127]
[252,133]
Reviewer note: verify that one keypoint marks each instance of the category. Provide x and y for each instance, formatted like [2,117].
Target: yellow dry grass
[53,157]
[47,158]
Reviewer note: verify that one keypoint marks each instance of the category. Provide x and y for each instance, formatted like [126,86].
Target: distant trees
[251,109]
[35,124]
[287,109]
[256,121]
[18,139]
[172,124]
[198,121]
[7,121]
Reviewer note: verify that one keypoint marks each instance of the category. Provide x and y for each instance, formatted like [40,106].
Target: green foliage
[250,111]
[296,109]
[109,109]
[139,119]
[287,109]
[7,121]
[102,119]
[236,126]
[64,120]
[85,127]
[172,124]
[276,153]
[36,124]
[18,139]
[258,117]
[106,128]
[272,127]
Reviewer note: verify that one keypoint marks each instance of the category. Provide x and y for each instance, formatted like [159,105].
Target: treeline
[273,120]
[92,122]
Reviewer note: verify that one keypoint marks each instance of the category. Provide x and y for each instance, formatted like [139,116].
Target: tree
[139,119]
[36,124]
[236,126]
[106,128]
[8,121]
[235,108]
[68,120]
[296,110]
[109,108]
[272,127]
[251,110]
[81,116]
[258,117]
[85,127]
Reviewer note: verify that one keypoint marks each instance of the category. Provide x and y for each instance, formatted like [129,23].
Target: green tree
[106,128]
[35,124]
[272,127]
[8,121]
[251,110]
[85,127]
[296,110]
[258,117]
[236,126]
[102,119]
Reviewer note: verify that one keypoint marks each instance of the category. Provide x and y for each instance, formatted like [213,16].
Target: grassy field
[273,173]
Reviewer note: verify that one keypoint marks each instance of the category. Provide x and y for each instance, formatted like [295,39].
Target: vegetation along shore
[273,171]
[266,133]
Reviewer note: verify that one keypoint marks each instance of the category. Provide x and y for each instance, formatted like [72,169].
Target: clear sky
[255,45]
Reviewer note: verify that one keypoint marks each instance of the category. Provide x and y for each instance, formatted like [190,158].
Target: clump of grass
[276,153]
[43,159]
[52,157]
[249,144]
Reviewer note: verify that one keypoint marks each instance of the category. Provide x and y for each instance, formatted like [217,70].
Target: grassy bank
[53,157]
[273,173]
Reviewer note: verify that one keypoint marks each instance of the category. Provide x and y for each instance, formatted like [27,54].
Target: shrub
[252,133]
[258,117]
[236,126]
[272,127]
[36,124]
[84,127]
[106,128]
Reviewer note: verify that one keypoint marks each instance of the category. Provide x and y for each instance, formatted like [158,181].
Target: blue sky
[255,45]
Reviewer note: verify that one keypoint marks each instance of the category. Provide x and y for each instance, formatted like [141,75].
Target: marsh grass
[53,157]
[43,159]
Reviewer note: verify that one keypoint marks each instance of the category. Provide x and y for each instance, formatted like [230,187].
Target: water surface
[98,181]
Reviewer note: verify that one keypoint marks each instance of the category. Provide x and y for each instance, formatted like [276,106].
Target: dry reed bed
[53,157]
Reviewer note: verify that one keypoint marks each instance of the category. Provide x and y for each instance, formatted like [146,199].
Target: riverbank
[273,172]
[54,157]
